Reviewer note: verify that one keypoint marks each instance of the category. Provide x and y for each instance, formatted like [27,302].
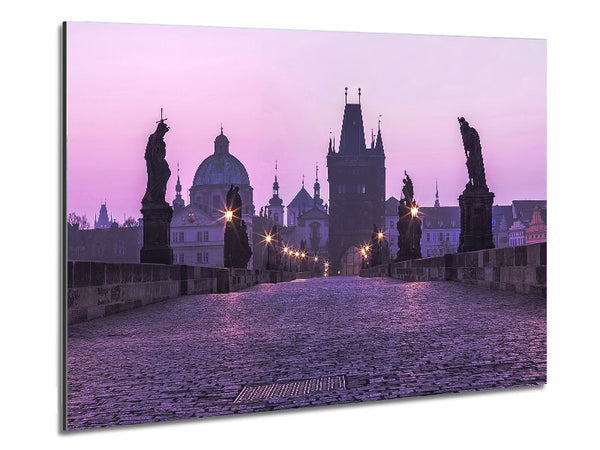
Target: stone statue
[156,211]
[237,250]
[476,200]
[472,146]
[409,223]
[157,166]
[408,190]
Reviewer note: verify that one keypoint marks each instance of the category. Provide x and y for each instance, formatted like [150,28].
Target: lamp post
[379,240]
[268,239]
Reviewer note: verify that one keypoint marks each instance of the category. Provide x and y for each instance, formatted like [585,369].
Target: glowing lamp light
[285,250]
[414,211]
[316,258]
[326,264]
[268,238]
[228,216]
[303,254]
[367,248]
[297,254]
[380,235]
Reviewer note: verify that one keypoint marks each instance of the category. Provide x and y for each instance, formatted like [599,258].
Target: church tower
[356,176]
[178,203]
[276,203]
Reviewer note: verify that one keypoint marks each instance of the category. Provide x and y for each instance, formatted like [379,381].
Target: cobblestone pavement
[191,356]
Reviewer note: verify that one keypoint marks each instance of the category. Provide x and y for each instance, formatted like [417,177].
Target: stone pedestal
[157,234]
[475,221]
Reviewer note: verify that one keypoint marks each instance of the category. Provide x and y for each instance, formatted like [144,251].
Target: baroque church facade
[197,230]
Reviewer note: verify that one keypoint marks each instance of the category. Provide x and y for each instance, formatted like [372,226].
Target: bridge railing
[97,289]
[519,269]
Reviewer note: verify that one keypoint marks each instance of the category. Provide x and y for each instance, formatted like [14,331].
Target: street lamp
[228,216]
[268,239]
[414,210]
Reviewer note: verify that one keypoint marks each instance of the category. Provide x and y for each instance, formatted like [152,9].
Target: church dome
[221,167]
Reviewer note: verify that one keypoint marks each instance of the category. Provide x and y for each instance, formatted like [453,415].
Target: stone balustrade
[96,289]
[520,269]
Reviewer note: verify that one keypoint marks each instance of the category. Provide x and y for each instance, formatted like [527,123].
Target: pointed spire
[330,149]
[221,127]
[379,141]
[275,183]
[178,185]
[437,196]
[359,96]
[178,202]
[372,139]
[302,180]
[346,95]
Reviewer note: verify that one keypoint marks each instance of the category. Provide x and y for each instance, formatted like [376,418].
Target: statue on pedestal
[476,200]
[237,250]
[156,211]
[409,223]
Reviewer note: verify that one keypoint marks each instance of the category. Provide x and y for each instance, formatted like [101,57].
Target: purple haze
[278,93]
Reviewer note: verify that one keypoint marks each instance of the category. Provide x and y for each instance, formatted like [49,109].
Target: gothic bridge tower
[356,176]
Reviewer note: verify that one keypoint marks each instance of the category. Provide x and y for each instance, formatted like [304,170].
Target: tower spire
[379,141]
[346,95]
[359,96]
[437,196]
[317,189]
[275,183]
[178,202]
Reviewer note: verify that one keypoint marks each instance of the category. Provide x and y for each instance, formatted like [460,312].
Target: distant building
[106,242]
[356,176]
[536,231]
[197,230]
[102,222]
[307,220]
[441,230]
[516,234]
[114,244]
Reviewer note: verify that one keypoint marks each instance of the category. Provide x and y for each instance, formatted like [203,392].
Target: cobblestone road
[191,356]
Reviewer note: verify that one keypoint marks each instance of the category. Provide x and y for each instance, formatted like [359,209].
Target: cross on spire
[346,95]
[359,96]
[317,172]
[302,180]
[161,117]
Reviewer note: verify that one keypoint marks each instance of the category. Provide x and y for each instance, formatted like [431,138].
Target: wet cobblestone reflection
[191,357]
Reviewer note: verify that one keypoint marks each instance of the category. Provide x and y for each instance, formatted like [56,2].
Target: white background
[561,414]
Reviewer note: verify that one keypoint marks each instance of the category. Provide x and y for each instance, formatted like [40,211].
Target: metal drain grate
[291,388]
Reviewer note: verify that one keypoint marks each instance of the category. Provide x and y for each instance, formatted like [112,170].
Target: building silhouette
[356,175]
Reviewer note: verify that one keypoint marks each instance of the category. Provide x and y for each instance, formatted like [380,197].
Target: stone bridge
[307,342]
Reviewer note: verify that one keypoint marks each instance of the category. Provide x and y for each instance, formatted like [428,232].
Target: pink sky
[278,93]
